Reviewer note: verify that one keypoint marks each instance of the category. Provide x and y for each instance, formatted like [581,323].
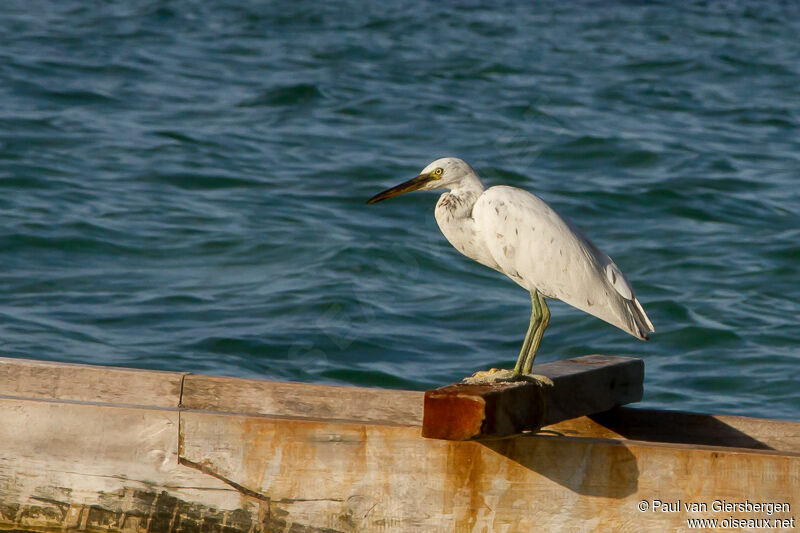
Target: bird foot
[497,375]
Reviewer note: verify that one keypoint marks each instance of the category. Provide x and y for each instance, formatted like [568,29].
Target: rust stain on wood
[357,477]
[462,412]
[466,474]
[450,413]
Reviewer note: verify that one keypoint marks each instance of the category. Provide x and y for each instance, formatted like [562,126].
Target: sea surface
[183,186]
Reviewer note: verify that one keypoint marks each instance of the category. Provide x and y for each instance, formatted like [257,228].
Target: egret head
[443,173]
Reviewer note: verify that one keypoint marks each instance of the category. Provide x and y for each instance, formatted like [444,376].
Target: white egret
[517,233]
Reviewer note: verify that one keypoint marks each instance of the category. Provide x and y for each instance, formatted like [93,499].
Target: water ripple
[183,186]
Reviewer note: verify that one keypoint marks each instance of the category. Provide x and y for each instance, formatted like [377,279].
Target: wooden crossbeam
[580,386]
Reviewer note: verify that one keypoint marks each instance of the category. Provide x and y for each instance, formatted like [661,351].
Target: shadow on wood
[675,426]
[589,467]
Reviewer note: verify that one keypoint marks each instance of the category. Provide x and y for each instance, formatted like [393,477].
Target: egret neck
[454,216]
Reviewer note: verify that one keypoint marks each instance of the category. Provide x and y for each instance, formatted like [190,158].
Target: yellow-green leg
[542,312]
[533,326]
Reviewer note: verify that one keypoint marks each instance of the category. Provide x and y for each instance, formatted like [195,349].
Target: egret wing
[540,250]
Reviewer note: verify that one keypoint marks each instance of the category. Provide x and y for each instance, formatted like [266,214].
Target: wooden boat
[89,448]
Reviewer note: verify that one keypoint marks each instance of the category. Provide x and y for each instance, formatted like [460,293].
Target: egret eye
[438,172]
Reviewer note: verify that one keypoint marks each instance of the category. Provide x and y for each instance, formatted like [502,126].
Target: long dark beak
[408,186]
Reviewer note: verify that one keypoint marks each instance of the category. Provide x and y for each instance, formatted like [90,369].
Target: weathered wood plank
[48,380]
[358,477]
[26,378]
[79,463]
[302,400]
[580,386]
[104,468]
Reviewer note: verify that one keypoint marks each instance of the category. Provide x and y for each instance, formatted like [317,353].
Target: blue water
[182,186]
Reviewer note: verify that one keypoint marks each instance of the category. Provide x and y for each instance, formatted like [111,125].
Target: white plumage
[517,233]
